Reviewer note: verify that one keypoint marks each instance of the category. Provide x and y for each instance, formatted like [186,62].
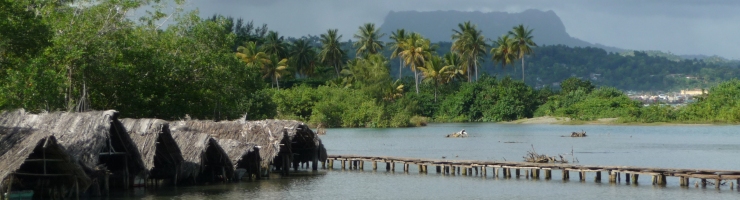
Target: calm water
[712,147]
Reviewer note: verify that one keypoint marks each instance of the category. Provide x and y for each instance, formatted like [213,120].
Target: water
[680,146]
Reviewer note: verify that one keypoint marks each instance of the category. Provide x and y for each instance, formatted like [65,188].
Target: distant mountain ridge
[438,25]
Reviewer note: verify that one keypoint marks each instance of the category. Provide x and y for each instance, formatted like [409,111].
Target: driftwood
[533,156]
[578,134]
[459,134]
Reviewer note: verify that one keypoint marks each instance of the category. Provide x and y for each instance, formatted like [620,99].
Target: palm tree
[436,71]
[417,51]
[302,57]
[397,45]
[470,44]
[250,54]
[368,40]
[331,51]
[523,43]
[455,63]
[504,51]
[274,44]
[274,69]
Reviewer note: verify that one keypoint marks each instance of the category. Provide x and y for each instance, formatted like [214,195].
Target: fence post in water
[582,175]
[566,174]
[598,176]
[548,174]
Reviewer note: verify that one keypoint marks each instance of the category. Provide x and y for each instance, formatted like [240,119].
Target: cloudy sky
[709,27]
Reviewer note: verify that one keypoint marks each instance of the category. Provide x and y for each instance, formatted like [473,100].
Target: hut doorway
[116,159]
[216,166]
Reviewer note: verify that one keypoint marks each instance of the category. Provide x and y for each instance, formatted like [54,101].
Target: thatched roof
[269,133]
[234,145]
[194,143]
[83,135]
[18,142]
[155,144]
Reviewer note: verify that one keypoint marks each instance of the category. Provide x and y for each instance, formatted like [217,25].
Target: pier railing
[533,170]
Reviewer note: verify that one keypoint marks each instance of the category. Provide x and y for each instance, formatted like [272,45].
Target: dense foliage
[55,55]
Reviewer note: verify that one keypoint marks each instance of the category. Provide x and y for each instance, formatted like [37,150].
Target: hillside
[438,25]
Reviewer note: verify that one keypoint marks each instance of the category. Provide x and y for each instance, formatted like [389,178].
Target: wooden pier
[702,177]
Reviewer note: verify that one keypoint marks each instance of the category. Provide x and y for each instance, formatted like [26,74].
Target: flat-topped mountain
[438,25]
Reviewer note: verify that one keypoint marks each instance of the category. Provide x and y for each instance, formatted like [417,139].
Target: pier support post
[627,177]
[375,165]
[393,166]
[736,181]
[662,180]
[447,169]
[581,176]
[527,174]
[344,162]
[517,172]
[717,182]
[387,166]
[362,165]
[476,170]
[439,169]
[635,177]
[494,172]
[536,173]
[464,171]
[405,167]
[548,174]
[566,174]
[483,171]
[598,176]
[703,182]
[331,163]
[613,176]
[452,169]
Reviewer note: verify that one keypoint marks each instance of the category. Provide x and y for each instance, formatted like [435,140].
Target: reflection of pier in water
[533,170]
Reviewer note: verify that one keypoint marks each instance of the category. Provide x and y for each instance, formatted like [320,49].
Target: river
[671,146]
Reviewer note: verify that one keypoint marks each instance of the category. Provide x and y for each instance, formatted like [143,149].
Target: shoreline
[602,121]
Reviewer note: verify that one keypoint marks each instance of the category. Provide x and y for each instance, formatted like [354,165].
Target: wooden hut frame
[159,151]
[231,136]
[204,159]
[285,142]
[95,140]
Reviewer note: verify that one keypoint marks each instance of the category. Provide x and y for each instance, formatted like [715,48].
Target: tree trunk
[400,68]
[523,69]
[475,63]
[416,78]
[277,82]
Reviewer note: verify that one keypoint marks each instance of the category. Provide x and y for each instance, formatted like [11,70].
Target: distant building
[693,92]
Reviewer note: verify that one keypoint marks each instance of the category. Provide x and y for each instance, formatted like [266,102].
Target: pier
[505,169]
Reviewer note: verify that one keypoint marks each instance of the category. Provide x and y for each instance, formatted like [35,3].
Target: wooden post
[10,185]
[393,166]
[476,170]
[315,161]
[703,182]
[107,182]
[717,182]
[447,169]
[439,169]
[375,165]
[330,162]
[452,170]
[613,177]
[536,173]
[634,178]
[737,183]
[464,171]
[654,180]
[77,189]
[516,172]
[548,174]
[362,165]
[627,177]
[343,163]
[582,175]
[566,174]
[598,176]
[483,171]
[619,178]
[405,167]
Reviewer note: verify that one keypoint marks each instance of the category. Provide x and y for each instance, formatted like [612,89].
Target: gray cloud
[680,26]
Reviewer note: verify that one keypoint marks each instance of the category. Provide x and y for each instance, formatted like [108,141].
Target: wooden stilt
[717,183]
[654,180]
[77,190]
[439,169]
[315,160]
[581,177]
[635,178]
[536,173]
[527,174]
[516,172]
[598,176]
[476,170]
[566,174]
[393,166]
[452,170]
[483,171]
[627,177]
[331,163]
[703,182]
[375,165]
[613,177]
[343,163]
[548,174]
[362,165]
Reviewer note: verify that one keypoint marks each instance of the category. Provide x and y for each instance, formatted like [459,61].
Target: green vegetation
[57,56]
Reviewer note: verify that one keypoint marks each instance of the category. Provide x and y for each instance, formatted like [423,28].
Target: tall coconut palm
[397,45]
[470,44]
[275,69]
[251,55]
[455,63]
[524,43]
[417,51]
[303,56]
[503,51]
[437,72]
[275,44]
[331,50]
[368,40]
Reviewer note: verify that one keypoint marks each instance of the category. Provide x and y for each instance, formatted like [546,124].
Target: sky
[683,27]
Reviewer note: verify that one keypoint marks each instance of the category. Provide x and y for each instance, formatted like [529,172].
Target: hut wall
[159,151]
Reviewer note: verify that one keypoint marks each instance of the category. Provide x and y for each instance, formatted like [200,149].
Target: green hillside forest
[56,55]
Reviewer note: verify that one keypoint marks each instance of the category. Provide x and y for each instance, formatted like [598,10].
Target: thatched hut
[204,159]
[96,141]
[284,142]
[31,160]
[232,138]
[158,149]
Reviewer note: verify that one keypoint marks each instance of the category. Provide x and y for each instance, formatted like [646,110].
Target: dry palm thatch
[286,137]
[159,151]
[94,140]
[204,158]
[32,155]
